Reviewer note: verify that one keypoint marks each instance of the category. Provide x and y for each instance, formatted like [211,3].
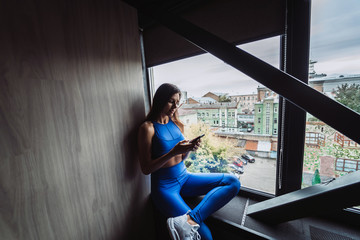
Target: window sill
[232,217]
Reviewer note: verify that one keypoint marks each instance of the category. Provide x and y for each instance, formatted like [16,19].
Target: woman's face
[172,105]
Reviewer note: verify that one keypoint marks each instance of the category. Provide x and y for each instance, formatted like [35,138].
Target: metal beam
[331,112]
[339,194]
[295,46]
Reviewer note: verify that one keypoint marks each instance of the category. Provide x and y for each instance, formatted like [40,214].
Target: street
[260,175]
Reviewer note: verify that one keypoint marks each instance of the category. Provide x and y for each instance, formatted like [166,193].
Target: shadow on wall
[129,143]
[139,222]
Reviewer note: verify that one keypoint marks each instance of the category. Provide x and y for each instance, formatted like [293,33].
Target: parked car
[238,163]
[238,159]
[248,157]
[236,169]
[243,160]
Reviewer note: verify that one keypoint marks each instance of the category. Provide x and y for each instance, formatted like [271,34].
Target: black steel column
[295,59]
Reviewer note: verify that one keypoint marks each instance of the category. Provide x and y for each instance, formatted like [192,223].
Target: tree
[349,95]
[213,152]
[224,98]
[316,178]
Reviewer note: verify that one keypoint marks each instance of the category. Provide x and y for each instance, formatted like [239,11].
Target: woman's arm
[148,165]
[185,155]
[195,147]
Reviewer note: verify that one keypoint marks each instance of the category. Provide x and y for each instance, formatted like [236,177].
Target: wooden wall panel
[71,99]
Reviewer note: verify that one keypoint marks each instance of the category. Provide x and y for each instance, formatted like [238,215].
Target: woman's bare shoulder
[147,126]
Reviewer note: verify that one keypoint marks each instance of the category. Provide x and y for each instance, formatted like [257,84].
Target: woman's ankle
[191,221]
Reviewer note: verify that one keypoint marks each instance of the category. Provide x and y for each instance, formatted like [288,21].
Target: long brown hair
[161,98]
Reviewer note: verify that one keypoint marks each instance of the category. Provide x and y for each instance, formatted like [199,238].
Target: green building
[219,114]
[266,116]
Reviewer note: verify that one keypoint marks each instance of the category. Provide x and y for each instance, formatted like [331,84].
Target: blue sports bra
[165,138]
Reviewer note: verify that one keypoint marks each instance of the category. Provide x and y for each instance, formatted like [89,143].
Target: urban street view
[241,134]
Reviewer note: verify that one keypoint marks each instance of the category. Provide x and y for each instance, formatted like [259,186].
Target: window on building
[347,165]
[343,141]
[259,120]
[314,139]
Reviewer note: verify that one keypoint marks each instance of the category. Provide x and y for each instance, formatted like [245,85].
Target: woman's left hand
[196,145]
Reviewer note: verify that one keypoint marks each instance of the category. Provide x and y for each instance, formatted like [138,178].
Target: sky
[334,44]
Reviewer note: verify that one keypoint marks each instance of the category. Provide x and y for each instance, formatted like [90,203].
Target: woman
[163,149]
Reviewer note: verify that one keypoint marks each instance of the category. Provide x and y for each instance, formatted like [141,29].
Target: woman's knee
[233,182]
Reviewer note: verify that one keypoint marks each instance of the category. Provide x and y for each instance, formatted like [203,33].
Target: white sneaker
[180,229]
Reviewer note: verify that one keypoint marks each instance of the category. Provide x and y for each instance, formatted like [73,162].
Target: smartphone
[197,138]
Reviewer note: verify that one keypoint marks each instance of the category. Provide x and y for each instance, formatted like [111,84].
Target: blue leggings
[169,185]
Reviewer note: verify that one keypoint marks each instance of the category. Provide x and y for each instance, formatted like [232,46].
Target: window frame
[291,115]
[346,161]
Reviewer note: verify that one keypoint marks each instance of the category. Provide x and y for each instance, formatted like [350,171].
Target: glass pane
[334,71]
[237,115]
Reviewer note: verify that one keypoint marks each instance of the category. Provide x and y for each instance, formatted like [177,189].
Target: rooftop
[335,77]
[211,105]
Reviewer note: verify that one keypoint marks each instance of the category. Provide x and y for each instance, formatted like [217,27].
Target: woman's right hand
[183,147]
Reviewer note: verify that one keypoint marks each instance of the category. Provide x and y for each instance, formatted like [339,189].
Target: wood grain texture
[71,100]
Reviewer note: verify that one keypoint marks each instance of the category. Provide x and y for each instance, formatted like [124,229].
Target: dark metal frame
[297,96]
[290,87]
[321,198]
[294,61]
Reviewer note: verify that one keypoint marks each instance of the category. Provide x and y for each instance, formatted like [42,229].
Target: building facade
[220,114]
[247,101]
[266,116]
[329,84]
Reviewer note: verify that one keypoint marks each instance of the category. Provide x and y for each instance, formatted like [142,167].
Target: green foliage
[212,153]
[224,98]
[313,119]
[348,153]
[312,155]
[316,178]
[349,95]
